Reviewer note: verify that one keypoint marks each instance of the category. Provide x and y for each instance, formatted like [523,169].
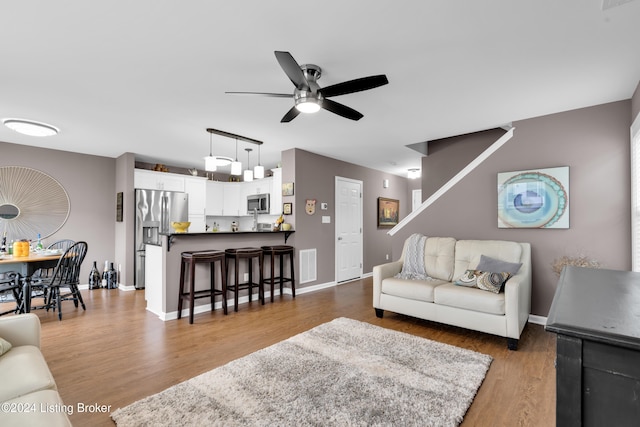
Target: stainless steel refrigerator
[155,210]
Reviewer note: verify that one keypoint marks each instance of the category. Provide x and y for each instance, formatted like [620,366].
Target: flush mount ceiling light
[211,162]
[30,127]
[413,173]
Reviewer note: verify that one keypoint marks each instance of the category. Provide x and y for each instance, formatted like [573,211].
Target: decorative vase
[94,277]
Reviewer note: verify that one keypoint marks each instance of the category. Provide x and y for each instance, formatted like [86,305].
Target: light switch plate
[326,219]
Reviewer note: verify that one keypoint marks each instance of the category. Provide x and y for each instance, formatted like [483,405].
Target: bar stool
[280,251]
[249,254]
[190,259]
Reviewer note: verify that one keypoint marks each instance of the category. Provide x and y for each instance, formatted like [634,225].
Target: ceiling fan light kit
[309,97]
[30,127]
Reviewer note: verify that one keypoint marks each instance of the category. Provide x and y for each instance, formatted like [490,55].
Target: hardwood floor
[116,352]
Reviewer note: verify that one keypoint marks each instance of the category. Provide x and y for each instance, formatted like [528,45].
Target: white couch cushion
[438,257]
[469,299]
[23,371]
[54,413]
[468,252]
[420,290]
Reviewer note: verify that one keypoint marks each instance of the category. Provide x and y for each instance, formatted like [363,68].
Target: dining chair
[10,284]
[37,291]
[62,284]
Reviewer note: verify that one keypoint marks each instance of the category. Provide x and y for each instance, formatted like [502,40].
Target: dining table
[27,266]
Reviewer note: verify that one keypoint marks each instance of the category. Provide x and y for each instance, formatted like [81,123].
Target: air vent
[308,270]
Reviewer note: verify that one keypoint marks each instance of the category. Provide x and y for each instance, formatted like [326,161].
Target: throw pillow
[485,280]
[492,282]
[4,346]
[468,279]
[497,266]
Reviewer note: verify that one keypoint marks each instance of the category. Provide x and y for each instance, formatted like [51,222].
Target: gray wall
[594,143]
[314,178]
[635,103]
[90,183]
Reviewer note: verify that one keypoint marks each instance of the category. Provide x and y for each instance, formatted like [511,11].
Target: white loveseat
[438,299]
[28,393]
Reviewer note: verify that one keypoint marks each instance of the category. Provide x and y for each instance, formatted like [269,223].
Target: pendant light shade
[210,160]
[248,173]
[236,166]
[258,170]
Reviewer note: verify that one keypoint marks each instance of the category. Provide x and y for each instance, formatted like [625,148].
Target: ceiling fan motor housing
[312,96]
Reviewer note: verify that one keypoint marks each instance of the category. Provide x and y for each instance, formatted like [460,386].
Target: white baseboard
[538,320]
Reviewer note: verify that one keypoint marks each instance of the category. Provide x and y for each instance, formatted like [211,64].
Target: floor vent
[308,270]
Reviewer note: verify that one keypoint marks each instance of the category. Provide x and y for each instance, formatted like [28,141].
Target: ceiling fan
[309,97]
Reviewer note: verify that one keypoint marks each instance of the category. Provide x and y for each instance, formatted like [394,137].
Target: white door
[348,229]
[416,199]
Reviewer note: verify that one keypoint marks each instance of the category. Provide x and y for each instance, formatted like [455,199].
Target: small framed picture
[287,189]
[287,208]
[388,212]
[119,202]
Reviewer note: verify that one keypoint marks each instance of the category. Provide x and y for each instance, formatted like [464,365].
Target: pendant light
[248,173]
[236,166]
[258,170]
[210,160]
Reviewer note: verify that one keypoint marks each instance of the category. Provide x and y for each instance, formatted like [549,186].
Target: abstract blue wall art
[534,199]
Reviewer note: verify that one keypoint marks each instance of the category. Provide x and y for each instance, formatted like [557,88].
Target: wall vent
[308,266]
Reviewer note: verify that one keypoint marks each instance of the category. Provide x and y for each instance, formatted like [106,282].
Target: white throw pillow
[4,346]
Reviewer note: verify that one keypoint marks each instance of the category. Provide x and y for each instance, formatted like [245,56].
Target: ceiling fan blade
[356,85]
[275,95]
[292,70]
[291,114]
[341,110]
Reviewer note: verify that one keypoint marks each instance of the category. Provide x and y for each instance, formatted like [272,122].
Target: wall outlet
[386,257]
[246,277]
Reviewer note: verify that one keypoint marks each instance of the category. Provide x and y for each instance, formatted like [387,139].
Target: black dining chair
[37,290]
[62,284]
[10,285]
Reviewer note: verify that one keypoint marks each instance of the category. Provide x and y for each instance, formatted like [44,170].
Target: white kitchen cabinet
[215,198]
[196,187]
[152,180]
[275,208]
[231,197]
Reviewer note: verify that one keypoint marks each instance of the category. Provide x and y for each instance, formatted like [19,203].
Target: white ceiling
[149,76]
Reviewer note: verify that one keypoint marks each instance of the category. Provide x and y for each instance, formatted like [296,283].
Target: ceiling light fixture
[308,105]
[413,173]
[236,166]
[30,127]
[258,170]
[211,162]
[248,173]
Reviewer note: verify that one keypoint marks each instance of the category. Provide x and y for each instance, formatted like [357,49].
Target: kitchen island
[162,264]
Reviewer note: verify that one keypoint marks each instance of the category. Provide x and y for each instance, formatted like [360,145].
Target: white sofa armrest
[518,296]
[381,272]
[21,329]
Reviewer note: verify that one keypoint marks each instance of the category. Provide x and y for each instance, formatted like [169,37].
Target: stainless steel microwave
[258,202]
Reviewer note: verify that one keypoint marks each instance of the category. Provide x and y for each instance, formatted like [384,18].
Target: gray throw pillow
[497,266]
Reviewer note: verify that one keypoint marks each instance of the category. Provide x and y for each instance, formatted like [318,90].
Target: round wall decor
[31,202]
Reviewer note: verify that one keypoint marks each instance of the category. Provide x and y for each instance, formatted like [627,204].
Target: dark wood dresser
[596,314]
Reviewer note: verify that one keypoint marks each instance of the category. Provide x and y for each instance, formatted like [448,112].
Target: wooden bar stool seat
[249,254]
[189,259]
[280,251]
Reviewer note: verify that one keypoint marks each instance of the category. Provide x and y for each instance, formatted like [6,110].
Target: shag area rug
[341,373]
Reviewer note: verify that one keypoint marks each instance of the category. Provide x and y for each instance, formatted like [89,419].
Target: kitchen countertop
[171,236]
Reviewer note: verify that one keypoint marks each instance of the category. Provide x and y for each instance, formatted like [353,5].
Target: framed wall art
[287,208]
[536,198]
[388,212]
[287,189]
